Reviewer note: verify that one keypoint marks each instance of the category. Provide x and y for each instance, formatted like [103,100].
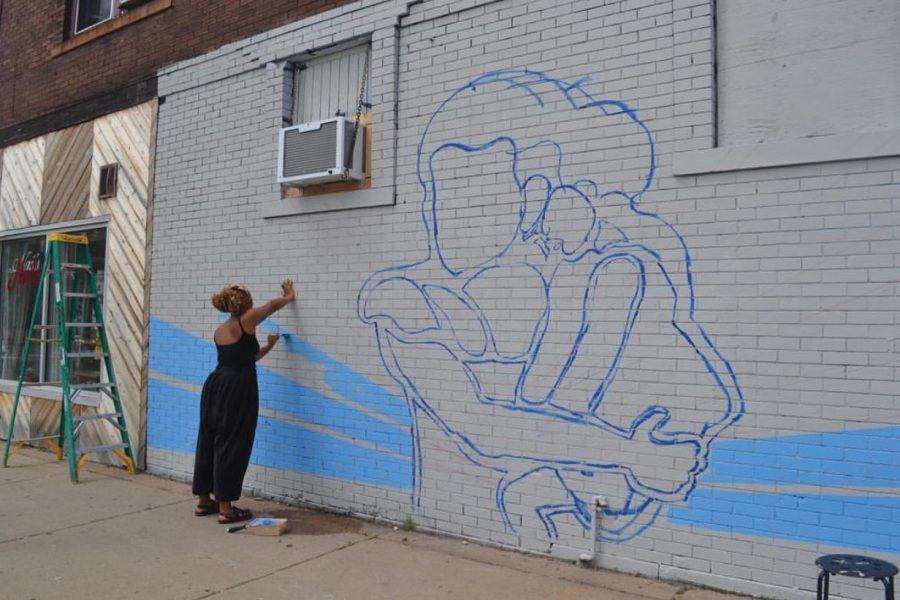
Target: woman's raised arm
[257,315]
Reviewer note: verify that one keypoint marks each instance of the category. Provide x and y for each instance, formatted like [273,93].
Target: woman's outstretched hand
[273,339]
[287,290]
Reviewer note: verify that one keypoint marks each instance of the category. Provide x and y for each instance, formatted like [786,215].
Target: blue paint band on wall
[868,522]
[860,458]
[173,414]
[866,461]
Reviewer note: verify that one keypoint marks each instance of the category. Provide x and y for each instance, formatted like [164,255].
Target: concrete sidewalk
[117,536]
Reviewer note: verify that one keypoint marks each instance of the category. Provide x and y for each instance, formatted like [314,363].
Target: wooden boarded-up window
[66,188]
[806,68]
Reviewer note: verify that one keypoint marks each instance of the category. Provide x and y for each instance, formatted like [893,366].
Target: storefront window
[21,261]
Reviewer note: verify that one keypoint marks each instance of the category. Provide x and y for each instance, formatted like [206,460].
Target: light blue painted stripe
[343,380]
[185,357]
[173,417]
[173,420]
[284,395]
[867,522]
[292,448]
[863,458]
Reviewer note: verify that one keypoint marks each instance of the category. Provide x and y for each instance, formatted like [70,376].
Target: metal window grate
[310,151]
[329,84]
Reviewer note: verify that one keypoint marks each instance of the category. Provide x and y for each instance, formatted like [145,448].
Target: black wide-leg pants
[229,406]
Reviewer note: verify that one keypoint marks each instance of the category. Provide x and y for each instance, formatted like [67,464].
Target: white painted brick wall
[794,270]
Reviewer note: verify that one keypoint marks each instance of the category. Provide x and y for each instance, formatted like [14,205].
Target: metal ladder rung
[91,386]
[90,389]
[97,417]
[35,439]
[106,448]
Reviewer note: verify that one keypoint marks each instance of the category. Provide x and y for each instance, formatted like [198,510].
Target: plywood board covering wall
[70,179]
[125,138]
[67,174]
[20,184]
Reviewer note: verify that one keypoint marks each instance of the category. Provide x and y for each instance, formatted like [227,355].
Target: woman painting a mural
[229,404]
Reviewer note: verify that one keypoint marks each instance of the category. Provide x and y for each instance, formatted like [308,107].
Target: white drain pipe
[597,504]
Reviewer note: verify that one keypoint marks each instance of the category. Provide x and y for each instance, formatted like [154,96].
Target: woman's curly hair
[234,299]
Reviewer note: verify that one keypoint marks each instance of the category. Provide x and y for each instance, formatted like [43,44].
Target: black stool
[855,566]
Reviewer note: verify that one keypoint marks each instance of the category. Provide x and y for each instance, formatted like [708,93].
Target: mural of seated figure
[549,331]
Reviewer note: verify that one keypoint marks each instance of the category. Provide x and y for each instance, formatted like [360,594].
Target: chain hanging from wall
[359,108]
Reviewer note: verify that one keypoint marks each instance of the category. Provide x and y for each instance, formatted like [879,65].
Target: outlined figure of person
[549,310]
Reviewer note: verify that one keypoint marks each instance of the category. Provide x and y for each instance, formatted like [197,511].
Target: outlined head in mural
[549,332]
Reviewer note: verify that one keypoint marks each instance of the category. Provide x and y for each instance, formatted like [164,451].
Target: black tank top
[240,354]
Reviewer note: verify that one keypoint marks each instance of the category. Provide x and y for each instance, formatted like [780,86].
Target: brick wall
[34,82]
[548,312]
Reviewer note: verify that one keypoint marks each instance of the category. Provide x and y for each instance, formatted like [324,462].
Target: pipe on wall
[597,504]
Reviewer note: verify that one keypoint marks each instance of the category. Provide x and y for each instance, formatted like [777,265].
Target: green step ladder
[67,302]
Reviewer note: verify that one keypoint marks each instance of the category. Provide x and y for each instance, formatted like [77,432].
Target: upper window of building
[328,84]
[92,12]
[806,68]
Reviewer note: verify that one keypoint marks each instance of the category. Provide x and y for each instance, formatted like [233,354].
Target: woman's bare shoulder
[227,333]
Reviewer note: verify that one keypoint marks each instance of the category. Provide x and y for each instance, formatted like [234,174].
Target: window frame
[716,157]
[299,64]
[76,5]
[292,113]
[47,391]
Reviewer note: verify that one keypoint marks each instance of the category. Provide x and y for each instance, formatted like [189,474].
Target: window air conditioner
[316,152]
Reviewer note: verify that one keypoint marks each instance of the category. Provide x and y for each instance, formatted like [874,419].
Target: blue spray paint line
[173,414]
[174,417]
[869,522]
[863,458]
[346,382]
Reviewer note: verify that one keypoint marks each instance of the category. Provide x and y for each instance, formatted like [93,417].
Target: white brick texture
[532,323]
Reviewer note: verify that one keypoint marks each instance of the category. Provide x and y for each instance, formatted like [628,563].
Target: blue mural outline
[594,248]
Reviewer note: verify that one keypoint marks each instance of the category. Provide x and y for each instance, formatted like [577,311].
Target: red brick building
[78,104]
[67,61]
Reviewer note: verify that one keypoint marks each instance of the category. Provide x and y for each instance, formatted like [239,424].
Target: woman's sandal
[234,515]
[206,509]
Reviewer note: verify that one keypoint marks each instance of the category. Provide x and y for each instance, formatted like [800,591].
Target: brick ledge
[830,148]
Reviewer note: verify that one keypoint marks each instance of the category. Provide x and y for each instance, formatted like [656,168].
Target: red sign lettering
[25,271]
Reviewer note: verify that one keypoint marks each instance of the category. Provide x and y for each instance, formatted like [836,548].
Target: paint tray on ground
[267,526]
